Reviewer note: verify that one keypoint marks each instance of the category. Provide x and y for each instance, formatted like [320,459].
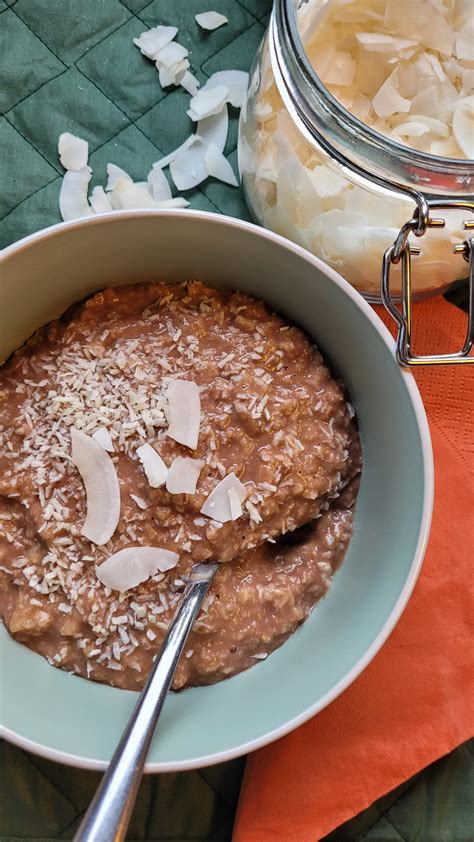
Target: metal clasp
[401,252]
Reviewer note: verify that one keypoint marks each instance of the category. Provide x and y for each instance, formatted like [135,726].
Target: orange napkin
[415,701]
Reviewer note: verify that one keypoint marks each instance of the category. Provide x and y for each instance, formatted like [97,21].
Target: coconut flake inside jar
[406,70]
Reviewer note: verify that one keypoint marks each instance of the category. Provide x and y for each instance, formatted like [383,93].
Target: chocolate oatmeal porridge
[151,428]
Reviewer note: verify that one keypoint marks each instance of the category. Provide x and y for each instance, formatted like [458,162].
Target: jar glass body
[298,189]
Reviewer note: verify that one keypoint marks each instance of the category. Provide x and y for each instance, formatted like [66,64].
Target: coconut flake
[235,504]
[189,83]
[341,71]
[171,54]
[99,200]
[102,487]
[253,512]
[327,182]
[184,412]
[129,196]
[188,168]
[464,48]
[463,126]
[183,475]
[218,503]
[114,173]
[159,185]
[171,75]
[168,159]
[382,42]
[419,19]
[436,65]
[211,20]
[436,127]
[102,437]
[387,100]
[208,101]
[213,130]
[410,129]
[141,503]
[73,151]
[155,469]
[467,80]
[143,185]
[445,148]
[129,567]
[73,194]
[218,166]
[114,195]
[236,82]
[153,40]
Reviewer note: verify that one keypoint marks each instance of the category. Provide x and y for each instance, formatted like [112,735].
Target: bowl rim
[408,379]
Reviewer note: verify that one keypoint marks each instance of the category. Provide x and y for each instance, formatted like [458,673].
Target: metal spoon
[109,813]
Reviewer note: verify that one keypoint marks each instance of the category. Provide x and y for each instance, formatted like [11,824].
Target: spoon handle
[109,813]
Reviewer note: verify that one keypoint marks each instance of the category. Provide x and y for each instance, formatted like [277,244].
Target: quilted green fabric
[70,65]
[43,801]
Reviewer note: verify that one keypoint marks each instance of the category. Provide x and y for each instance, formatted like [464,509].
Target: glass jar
[314,173]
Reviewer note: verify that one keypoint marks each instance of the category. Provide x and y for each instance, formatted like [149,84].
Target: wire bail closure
[401,252]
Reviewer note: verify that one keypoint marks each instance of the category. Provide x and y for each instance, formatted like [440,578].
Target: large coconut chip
[153,40]
[465,41]
[171,75]
[218,166]
[155,469]
[168,159]
[236,82]
[129,567]
[183,475]
[189,82]
[100,201]
[129,196]
[387,100]
[383,42]
[210,20]
[114,173]
[410,129]
[235,504]
[159,185]
[73,194]
[102,487]
[73,151]
[188,167]
[172,54]
[208,101]
[184,412]
[463,126]
[102,437]
[220,505]
[213,130]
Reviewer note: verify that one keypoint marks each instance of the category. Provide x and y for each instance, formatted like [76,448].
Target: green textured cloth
[42,801]
[70,65]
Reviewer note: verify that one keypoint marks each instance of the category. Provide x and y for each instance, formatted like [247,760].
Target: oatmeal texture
[271,413]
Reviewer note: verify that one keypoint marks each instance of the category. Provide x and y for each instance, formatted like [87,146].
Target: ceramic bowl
[74,721]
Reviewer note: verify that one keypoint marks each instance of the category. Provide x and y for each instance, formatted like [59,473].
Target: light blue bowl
[75,721]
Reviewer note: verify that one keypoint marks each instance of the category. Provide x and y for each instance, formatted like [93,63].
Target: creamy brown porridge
[271,416]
